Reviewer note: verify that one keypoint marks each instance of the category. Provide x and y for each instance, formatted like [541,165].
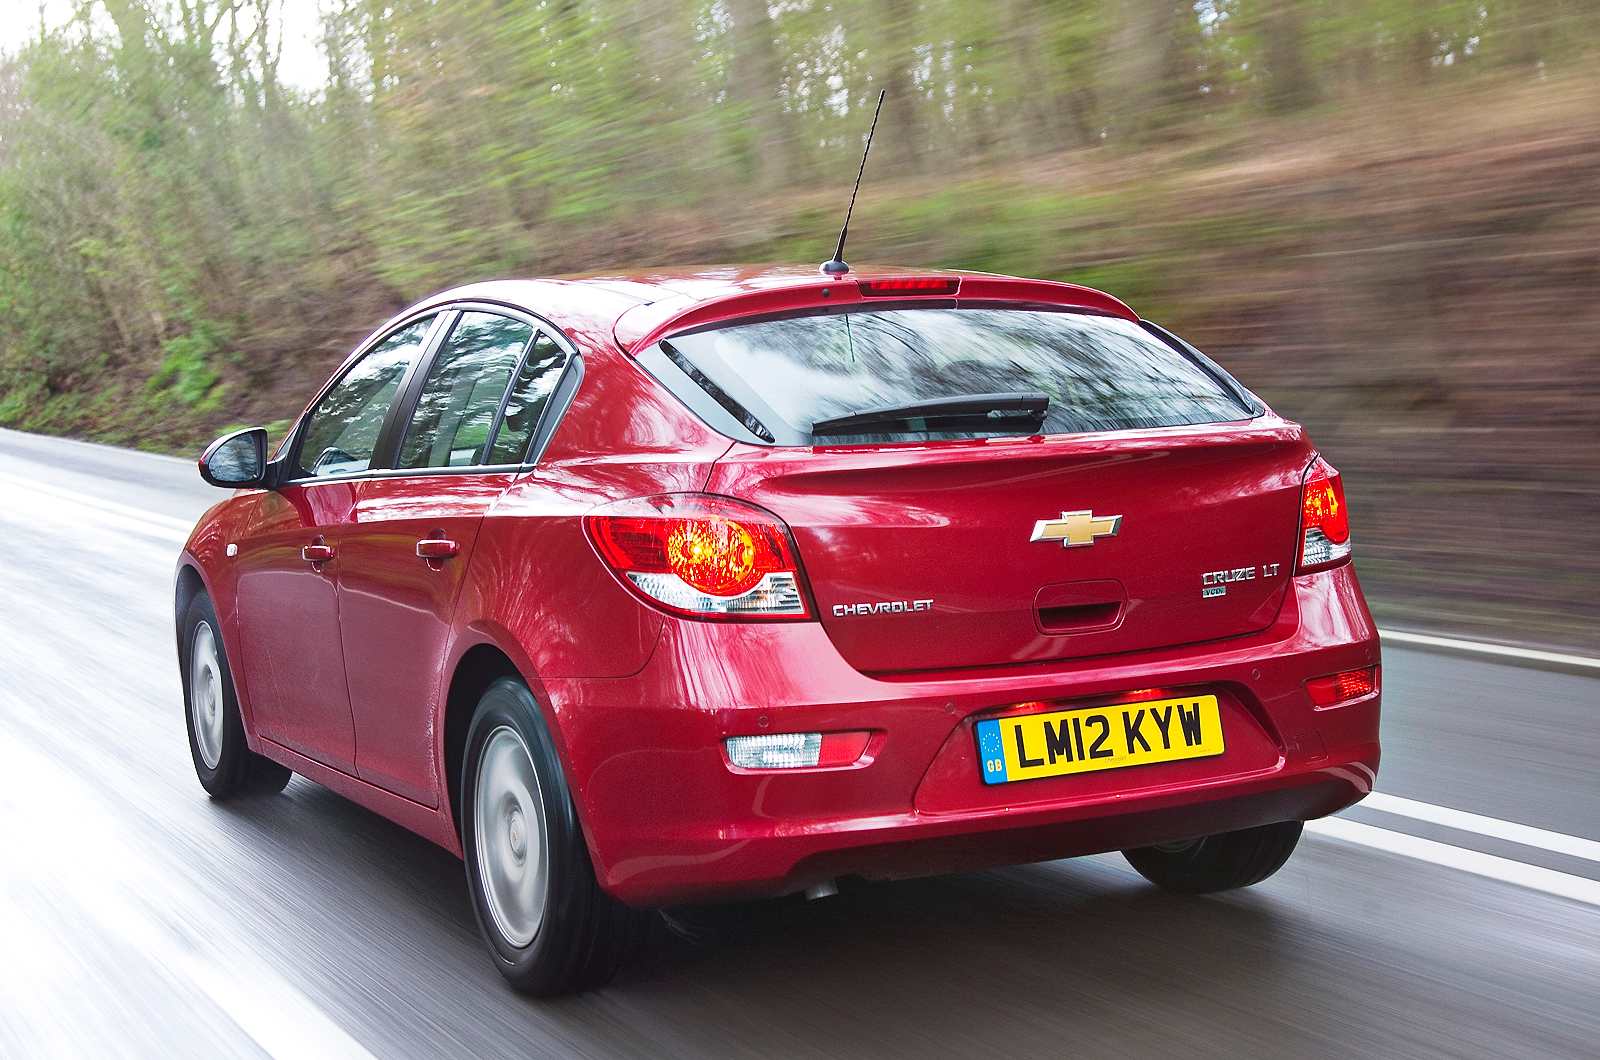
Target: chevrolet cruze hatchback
[727,583]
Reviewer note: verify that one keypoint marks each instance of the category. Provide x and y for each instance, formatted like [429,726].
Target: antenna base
[833,268]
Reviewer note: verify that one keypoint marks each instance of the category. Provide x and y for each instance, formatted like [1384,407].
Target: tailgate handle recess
[1080,607]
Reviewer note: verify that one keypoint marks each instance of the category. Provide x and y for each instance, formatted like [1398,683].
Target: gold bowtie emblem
[1076,528]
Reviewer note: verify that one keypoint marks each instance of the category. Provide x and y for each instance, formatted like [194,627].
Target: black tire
[549,927]
[223,761]
[1218,862]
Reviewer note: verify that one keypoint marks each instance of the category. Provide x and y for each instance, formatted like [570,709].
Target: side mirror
[237,460]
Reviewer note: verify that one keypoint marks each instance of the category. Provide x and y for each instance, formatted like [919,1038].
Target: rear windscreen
[770,382]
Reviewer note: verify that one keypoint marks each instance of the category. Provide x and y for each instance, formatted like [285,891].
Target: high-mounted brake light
[1324,523]
[699,555]
[797,750]
[909,285]
[1341,688]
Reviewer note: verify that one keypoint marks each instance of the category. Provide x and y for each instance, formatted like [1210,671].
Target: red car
[727,583]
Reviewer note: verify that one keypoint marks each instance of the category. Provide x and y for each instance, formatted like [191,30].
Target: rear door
[413,531]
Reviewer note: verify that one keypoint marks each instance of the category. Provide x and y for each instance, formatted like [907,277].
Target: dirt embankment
[1431,314]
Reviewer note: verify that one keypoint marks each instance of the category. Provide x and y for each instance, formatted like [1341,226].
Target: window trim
[1212,368]
[392,433]
[1252,405]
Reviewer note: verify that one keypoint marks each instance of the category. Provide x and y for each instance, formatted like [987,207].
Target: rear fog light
[1341,688]
[797,750]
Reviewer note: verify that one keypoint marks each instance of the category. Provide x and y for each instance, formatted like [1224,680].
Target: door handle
[437,548]
[317,553]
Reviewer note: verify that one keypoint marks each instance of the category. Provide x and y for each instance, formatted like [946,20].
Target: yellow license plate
[1082,741]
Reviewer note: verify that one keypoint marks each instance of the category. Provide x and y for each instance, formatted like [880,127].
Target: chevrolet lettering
[882,607]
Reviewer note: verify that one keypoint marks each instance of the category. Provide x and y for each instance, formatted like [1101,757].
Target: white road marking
[123,893]
[1485,648]
[1555,842]
[278,1017]
[151,524]
[1534,877]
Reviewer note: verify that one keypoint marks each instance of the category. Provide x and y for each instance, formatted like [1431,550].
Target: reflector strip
[1342,687]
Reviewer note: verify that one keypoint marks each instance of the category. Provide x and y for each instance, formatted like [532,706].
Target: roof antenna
[837,267]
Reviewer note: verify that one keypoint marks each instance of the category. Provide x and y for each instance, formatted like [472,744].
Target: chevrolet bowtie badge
[1076,528]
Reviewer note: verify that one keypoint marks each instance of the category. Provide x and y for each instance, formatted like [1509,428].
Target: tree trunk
[1147,71]
[1291,86]
[757,75]
[901,133]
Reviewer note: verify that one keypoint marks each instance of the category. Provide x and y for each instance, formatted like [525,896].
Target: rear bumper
[669,821]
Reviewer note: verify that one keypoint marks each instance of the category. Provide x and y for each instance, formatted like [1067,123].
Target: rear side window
[894,373]
[462,397]
[536,379]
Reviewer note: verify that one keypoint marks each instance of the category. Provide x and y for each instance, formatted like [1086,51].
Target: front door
[290,560]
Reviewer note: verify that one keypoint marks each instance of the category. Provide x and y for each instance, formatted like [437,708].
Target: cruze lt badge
[1075,529]
[1215,582]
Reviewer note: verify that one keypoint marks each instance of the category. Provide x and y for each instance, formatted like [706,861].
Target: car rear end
[993,572]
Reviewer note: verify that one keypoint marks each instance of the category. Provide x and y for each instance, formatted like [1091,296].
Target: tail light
[1341,688]
[1324,523]
[710,557]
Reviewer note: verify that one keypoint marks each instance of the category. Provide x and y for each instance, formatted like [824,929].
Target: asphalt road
[139,919]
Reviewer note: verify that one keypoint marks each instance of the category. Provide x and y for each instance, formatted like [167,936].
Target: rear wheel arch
[480,667]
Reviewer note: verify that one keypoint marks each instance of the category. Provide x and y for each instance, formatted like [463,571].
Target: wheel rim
[205,695]
[513,856]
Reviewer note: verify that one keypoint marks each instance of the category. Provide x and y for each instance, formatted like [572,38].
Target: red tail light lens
[1324,523]
[910,285]
[1341,688]
[701,555]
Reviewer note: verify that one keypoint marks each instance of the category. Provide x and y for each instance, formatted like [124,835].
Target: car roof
[634,308]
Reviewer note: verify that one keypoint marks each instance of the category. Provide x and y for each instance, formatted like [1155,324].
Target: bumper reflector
[797,750]
[1340,688]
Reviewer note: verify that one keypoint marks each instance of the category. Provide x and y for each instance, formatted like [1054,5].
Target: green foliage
[186,365]
[179,230]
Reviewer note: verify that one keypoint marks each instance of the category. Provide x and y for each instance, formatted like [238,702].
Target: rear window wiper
[1020,410]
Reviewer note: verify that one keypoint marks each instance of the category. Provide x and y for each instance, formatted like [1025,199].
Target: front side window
[917,374]
[461,399]
[343,429]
